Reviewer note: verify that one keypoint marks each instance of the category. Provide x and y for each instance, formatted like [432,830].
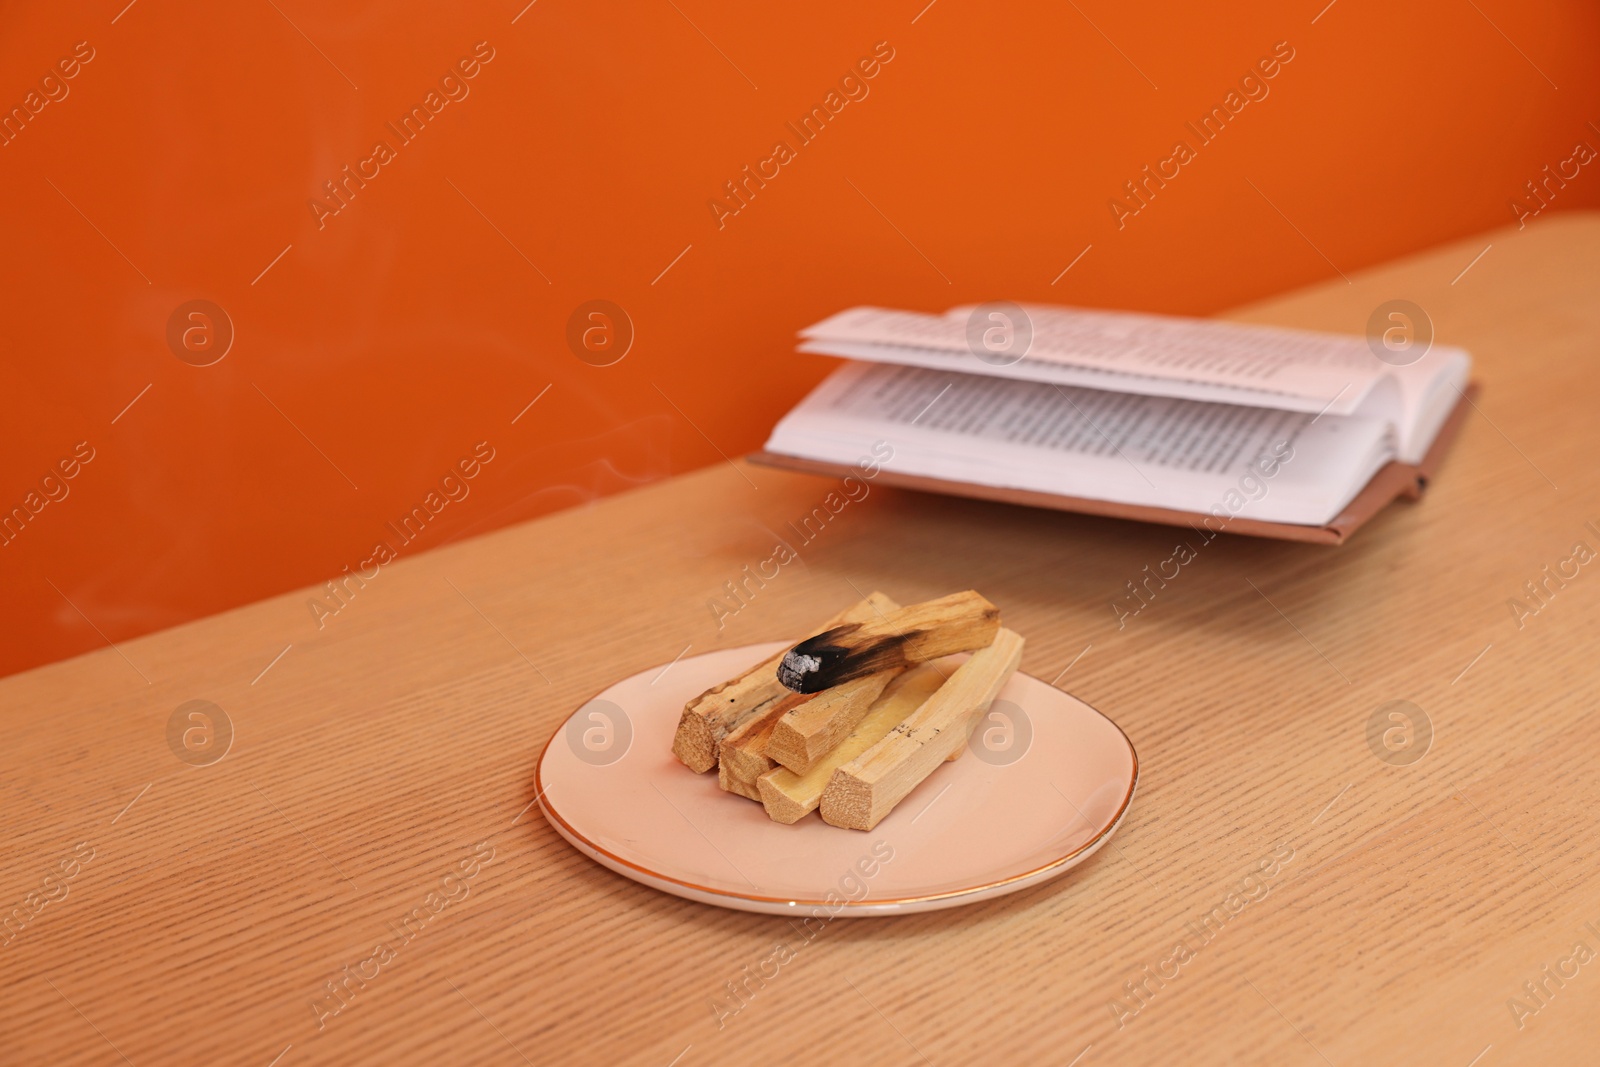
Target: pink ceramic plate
[1044,783]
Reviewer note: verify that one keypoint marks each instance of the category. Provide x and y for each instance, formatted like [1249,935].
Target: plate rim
[862,907]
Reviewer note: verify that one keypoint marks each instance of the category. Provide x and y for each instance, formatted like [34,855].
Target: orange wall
[394,336]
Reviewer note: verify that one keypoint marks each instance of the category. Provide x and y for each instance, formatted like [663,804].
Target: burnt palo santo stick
[960,622]
[863,791]
[707,718]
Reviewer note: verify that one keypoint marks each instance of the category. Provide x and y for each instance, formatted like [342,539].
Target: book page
[1153,354]
[1174,434]
[1155,451]
[965,362]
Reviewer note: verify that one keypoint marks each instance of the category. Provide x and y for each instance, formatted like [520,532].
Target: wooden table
[1415,901]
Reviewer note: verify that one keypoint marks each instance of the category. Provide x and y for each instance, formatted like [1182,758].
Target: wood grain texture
[1406,906]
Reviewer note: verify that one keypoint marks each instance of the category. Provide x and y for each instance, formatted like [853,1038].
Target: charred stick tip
[794,670]
[803,666]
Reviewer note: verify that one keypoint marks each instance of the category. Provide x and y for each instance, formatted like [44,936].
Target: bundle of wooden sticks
[853,719]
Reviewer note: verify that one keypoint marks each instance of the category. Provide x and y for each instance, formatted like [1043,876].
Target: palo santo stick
[959,622]
[743,752]
[805,734]
[733,785]
[863,791]
[789,797]
[746,751]
[708,717]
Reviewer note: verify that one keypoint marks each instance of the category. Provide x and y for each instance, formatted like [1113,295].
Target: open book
[1273,431]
